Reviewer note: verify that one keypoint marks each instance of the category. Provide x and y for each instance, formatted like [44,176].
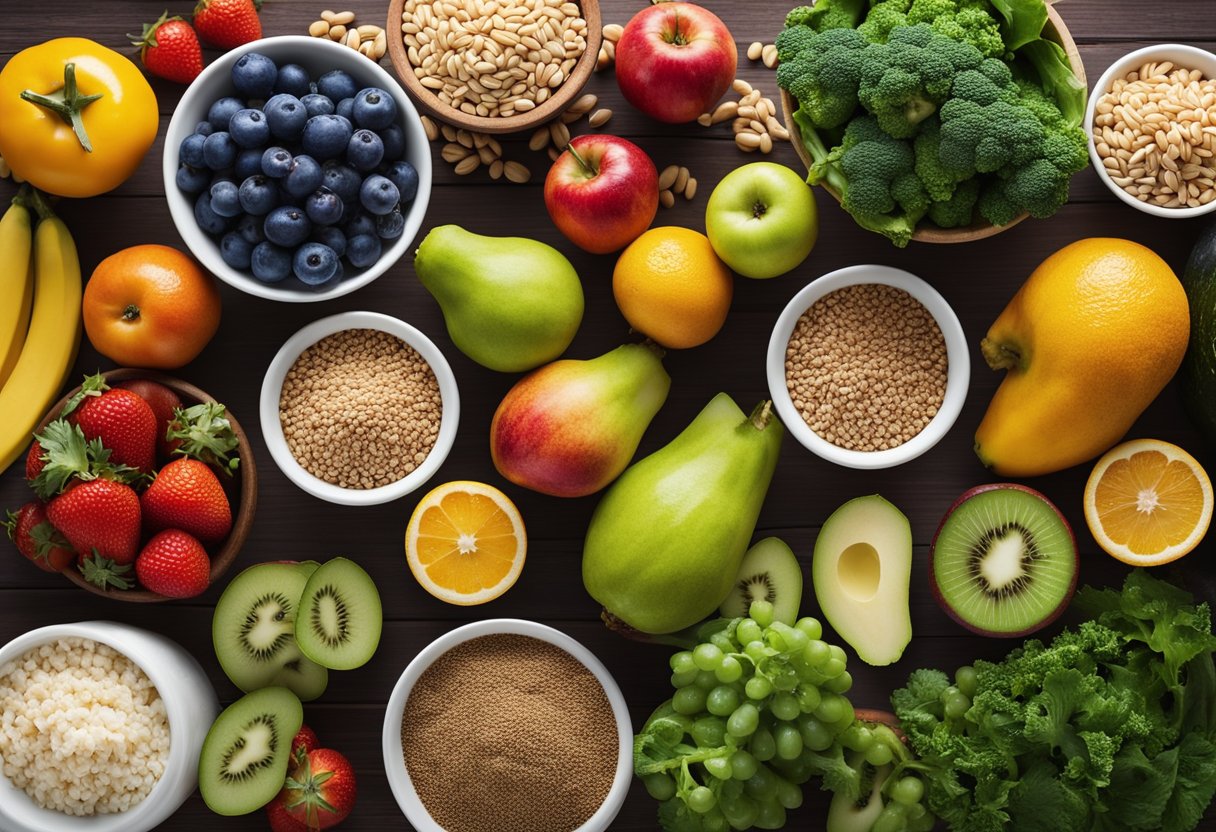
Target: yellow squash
[16,284]
[1089,341]
[76,118]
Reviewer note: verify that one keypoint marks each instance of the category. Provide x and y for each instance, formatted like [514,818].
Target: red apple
[674,61]
[602,192]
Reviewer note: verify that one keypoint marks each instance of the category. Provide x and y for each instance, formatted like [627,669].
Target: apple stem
[762,415]
[677,37]
[586,166]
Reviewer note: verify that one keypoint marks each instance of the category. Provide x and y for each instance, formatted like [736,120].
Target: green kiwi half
[769,572]
[340,616]
[245,755]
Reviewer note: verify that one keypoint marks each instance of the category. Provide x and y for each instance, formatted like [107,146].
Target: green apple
[761,220]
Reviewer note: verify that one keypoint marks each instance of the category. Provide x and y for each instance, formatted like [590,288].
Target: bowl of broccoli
[941,121]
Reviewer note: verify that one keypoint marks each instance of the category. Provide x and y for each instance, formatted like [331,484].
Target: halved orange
[465,543]
[1148,502]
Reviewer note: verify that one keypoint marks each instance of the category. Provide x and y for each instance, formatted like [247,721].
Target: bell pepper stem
[68,104]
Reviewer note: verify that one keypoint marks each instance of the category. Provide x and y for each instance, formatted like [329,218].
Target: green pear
[665,542]
[509,303]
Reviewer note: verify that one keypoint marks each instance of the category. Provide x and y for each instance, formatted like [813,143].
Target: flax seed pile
[866,367]
[508,733]
[360,409]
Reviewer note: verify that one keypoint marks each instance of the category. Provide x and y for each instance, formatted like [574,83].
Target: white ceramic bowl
[1186,56]
[394,763]
[272,428]
[191,706]
[957,358]
[317,55]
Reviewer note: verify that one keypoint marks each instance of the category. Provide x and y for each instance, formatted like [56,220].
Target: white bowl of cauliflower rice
[101,725]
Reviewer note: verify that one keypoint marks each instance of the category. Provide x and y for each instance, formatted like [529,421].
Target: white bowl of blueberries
[296,169]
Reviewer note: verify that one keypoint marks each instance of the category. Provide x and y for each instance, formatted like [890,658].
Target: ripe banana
[16,285]
[52,341]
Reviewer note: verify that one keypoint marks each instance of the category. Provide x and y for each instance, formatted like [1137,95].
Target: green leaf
[65,453]
[1039,802]
[93,385]
[1022,21]
[1195,784]
[1056,77]
[205,434]
[105,573]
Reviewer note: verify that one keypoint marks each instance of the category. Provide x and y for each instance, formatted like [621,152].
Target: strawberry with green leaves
[227,23]
[169,49]
[163,401]
[204,432]
[319,793]
[35,537]
[119,418]
[174,564]
[187,495]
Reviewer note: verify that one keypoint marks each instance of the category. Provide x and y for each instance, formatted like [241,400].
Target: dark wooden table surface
[977,279]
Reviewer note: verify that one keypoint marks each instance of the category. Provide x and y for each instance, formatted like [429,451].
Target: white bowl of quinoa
[101,725]
[868,366]
[359,408]
[507,724]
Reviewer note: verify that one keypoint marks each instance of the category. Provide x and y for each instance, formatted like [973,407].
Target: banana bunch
[40,331]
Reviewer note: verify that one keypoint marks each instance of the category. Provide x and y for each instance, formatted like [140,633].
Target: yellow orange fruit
[1148,502]
[466,543]
[1089,341]
[671,286]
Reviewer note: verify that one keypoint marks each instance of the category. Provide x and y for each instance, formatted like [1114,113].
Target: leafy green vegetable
[1056,77]
[1022,21]
[1111,726]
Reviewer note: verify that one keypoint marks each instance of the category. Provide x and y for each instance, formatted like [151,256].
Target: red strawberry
[99,518]
[120,419]
[320,792]
[163,402]
[186,495]
[34,461]
[38,540]
[174,564]
[281,820]
[227,23]
[304,742]
[169,48]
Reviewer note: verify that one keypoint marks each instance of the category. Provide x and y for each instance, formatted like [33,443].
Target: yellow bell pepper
[76,118]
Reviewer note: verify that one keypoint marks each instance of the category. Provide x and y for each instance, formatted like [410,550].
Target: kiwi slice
[253,630]
[340,618]
[1004,561]
[769,572]
[246,752]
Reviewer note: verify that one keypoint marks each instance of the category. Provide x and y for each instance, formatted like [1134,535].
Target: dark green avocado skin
[1198,373]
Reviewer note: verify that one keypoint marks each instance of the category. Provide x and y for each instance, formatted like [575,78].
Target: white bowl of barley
[1152,139]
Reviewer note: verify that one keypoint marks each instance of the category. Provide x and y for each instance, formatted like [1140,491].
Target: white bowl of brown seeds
[868,367]
[359,408]
[507,724]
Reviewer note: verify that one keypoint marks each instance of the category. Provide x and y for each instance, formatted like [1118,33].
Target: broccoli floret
[938,181]
[827,14]
[983,138]
[823,73]
[968,21]
[959,209]
[799,16]
[882,19]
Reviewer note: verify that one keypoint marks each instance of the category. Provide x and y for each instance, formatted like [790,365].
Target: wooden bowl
[558,101]
[927,232]
[244,486]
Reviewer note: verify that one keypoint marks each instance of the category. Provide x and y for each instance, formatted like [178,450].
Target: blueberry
[360,223]
[235,250]
[222,111]
[193,180]
[248,162]
[326,137]
[286,116]
[389,226]
[292,79]
[345,108]
[206,218]
[378,195]
[403,175]
[317,104]
[225,199]
[270,263]
[342,180]
[362,250]
[219,151]
[315,263]
[190,151]
[254,75]
[393,138]
[304,177]
[248,128]
[330,236]
[276,162]
[337,85]
[365,150]
[374,108]
[204,128]
[287,226]
[258,195]
[323,207]
[250,227]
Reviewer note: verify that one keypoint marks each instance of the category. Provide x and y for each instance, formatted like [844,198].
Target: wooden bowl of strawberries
[145,488]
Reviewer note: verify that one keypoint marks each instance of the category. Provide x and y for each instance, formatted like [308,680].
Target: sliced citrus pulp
[1148,502]
[465,543]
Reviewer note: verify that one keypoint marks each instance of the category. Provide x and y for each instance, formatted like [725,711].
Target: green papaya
[665,542]
[1198,373]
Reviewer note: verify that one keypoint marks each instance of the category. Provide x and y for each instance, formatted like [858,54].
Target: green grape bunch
[758,711]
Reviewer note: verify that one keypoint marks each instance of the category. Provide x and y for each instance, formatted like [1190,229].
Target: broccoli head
[939,182]
[965,21]
[959,209]
[827,14]
[824,72]
[987,132]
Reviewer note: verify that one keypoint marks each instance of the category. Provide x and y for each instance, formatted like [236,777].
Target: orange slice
[465,543]
[1148,502]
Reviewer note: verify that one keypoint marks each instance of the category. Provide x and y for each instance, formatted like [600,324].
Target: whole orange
[671,286]
[150,306]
